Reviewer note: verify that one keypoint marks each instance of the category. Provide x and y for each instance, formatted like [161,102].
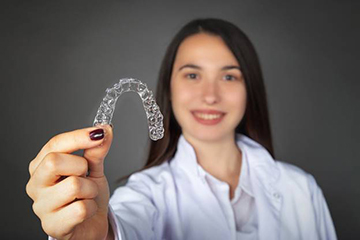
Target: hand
[70,204]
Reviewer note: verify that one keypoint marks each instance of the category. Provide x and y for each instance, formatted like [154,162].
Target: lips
[208,117]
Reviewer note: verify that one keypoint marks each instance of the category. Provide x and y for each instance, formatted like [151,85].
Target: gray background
[58,57]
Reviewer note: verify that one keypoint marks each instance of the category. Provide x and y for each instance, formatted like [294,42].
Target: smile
[208,119]
[208,116]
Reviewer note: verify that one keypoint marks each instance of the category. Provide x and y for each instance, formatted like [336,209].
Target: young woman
[212,176]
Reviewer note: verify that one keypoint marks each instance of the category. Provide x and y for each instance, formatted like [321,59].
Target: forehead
[205,48]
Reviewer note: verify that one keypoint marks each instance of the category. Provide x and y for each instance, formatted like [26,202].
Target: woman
[213,176]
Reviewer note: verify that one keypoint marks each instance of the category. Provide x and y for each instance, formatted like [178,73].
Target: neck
[221,158]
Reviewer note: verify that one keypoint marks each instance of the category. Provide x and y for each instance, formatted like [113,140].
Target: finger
[70,189]
[77,212]
[67,142]
[56,165]
[96,155]
[69,217]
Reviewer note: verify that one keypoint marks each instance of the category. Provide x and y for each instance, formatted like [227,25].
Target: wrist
[110,234]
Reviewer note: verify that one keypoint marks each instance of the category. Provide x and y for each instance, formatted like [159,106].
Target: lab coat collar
[259,158]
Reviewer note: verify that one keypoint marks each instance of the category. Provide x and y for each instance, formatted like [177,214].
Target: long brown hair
[255,123]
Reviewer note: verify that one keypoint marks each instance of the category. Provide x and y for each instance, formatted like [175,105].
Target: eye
[229,77]
[192,76]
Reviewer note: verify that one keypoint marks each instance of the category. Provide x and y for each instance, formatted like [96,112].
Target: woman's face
[208,93]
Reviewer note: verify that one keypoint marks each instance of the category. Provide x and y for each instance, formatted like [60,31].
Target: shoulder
[304,199]
[291,170]
[296,178]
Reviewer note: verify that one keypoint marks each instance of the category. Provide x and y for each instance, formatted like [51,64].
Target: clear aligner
[153,114]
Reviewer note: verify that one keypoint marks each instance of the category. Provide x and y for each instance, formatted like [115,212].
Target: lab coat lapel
[263,174]
[268,203]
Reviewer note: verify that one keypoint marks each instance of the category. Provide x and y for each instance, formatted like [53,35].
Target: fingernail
[97,134]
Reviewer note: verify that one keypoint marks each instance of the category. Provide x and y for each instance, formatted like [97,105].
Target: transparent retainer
[107,107]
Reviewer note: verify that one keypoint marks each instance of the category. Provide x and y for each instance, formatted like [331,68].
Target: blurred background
[58,57]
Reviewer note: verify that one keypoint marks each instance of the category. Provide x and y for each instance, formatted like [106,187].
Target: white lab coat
[170,201]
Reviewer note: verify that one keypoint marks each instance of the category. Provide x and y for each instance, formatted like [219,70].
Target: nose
[210,91]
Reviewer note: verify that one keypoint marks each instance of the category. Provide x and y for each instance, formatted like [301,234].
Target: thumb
[96,155]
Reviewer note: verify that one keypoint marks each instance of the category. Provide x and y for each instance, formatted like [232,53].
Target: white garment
[173,201]
[179,200]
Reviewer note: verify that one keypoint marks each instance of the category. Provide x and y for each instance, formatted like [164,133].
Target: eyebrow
[190,66]
[199,68]
[231,67]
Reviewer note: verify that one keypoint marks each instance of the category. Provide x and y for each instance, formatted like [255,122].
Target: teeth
[208,116]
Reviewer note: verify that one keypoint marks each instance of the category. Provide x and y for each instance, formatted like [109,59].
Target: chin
[208,136]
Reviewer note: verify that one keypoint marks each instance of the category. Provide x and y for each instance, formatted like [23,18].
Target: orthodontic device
[153,114]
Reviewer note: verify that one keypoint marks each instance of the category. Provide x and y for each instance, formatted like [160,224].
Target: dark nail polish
[97,134]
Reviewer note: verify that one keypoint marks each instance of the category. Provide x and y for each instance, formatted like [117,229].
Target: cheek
[238,100]
[181,101]
[181,96]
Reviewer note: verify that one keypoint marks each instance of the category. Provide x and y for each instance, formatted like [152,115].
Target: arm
[132,212]
[324,221]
